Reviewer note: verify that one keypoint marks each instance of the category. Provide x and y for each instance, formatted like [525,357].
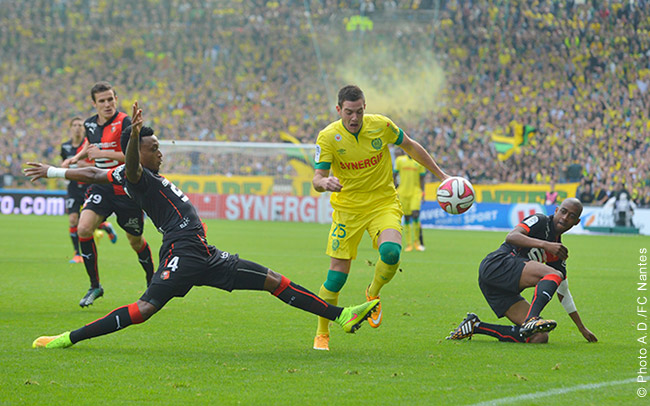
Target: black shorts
[498,277]
[75,197]
[188,263]
[102,200]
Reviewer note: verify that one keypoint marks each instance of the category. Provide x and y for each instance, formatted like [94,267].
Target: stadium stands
[577,72]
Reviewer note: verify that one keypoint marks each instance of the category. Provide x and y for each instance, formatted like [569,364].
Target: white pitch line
[559,391]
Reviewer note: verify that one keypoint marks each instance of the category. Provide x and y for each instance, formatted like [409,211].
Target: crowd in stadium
[577,72]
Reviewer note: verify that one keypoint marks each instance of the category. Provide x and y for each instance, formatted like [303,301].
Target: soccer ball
[99,234]
[455,195]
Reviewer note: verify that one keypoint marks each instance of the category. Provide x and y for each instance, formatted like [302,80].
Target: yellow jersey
[409,172]
[361,162]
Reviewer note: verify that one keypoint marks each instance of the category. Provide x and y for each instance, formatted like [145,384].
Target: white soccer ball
[455,195]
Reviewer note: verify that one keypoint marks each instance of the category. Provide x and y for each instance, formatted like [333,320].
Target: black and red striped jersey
[167,206]
[538,226]
[107,136]
[68,150]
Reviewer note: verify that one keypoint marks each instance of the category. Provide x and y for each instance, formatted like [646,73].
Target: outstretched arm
[417,152]
[564,295]
[132,154]
[89,174]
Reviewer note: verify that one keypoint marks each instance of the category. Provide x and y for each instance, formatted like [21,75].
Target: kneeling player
[186,259]
[532,255]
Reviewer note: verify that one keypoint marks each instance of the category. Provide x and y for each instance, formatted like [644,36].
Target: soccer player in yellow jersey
[354,163]
[411,183]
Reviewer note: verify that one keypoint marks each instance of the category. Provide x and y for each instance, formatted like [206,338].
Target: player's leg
[166,285]
[417,230]
[88,222]
[517,314]
[408,234]
[545,280]
[252,276]
[141,247]
[385,229]
[108,228]
[131,219]
[73,221]
[118,319]
[329,291]
[345,234]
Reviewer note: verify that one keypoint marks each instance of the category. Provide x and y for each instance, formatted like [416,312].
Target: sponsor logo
[91,127]
[186,221]
[341,151]
[106,145]
[364,163]
[134,224]
[165,275]
[224,254]
[376,143]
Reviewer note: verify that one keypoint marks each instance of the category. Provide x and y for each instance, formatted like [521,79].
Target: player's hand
[66,163]
[332,184]
[136,119]
[36,171]
[588,335]
[94,152]
[557,249]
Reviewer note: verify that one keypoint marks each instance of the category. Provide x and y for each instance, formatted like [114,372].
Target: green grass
[212,347]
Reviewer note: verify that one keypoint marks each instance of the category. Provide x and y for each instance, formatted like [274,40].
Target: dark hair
[74,119]
[350,93]
[126,135]
[101,87]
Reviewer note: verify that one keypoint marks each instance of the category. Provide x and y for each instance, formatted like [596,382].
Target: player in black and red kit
[102,144]
[76,193]
[186,259]
[532,256]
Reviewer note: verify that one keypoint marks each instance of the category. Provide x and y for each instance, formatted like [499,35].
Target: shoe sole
[86,304]
[356,326]
[546,327]
[469,336]
[375,324]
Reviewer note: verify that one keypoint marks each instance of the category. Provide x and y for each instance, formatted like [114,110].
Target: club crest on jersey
[338,137]
[165,275]
[335,245]
[376,143]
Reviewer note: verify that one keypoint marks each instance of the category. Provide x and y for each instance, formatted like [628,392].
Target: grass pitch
[212,347]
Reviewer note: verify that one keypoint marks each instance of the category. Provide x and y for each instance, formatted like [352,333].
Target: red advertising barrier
[265,208]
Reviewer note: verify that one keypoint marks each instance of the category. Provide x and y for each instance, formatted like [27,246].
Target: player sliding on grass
[186,259]
[532,255]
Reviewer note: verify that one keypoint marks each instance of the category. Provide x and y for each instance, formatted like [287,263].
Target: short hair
[77,118]
[126,135]
[101,87]
[350,93]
